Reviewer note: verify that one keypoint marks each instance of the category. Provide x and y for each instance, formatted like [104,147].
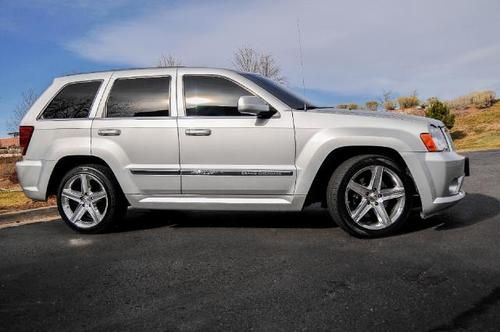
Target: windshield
[280,92]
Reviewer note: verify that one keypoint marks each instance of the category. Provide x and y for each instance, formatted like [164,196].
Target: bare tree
[249,60]
[246,59]
[168,61]
[28,98]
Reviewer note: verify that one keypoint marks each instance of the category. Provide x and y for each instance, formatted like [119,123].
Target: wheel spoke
[357,188]
[78,214]
[94,213]
[376,179]
[393,193]
[73,195]
[361,210]
[85,183]
[381,214]
[98,196]
[384,185]
[82,206]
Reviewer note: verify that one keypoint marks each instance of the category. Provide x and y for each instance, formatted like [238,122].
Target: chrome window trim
[172,118]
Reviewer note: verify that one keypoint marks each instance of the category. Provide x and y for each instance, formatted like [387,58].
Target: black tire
[337,191]
[116,203]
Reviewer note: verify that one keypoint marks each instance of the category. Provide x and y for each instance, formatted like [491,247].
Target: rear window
[74,101]
[144,97]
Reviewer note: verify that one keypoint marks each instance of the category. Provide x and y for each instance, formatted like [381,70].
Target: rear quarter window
[74,101]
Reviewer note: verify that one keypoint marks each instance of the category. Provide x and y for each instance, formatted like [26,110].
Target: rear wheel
[89,199]
[369,196]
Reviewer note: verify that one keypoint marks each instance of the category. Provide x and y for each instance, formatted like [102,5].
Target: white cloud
[438,47]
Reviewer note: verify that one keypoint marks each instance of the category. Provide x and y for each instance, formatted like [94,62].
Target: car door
[136,131]
[224,152]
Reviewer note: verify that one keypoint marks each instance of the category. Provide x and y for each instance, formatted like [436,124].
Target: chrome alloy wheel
[375,197]
[84,200]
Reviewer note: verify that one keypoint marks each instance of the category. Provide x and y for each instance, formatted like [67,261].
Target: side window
[73,101]
[132,97]
[212,96]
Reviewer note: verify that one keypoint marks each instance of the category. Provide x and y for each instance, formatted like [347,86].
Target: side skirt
[225,203]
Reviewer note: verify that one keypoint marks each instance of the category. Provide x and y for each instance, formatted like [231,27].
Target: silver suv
[216,139]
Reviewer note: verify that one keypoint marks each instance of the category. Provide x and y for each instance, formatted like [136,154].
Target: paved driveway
[279,271]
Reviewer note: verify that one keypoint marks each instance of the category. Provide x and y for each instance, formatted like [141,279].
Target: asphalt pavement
[260,271]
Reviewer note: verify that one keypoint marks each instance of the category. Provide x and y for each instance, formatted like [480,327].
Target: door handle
[198,132]
[109,132]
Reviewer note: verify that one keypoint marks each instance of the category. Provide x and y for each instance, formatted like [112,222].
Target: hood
[379,115]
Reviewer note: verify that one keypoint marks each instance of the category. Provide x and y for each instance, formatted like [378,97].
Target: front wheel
[89,199]
[369,196]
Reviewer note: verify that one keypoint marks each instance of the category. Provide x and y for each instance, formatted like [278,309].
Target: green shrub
[408,101]
[371,105]
[342,106]
[440,111]
[353,106]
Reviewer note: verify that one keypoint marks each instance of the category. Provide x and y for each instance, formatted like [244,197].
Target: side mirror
[253,105]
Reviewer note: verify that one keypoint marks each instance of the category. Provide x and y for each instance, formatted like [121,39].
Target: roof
[142,68]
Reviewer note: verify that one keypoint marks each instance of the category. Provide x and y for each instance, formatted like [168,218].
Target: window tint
[73,101]
[133,97]
[212,96]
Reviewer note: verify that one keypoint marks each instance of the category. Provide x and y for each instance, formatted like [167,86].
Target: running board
[215,200]
[275,203]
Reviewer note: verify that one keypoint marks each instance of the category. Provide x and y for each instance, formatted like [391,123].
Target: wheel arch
[317,189]
[67,163]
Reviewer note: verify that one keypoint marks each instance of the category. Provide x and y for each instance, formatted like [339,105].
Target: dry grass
[478,99]
[474,129]
[10,200]
[8,168]
[478,130]
[11,196]
[16,200]
[408,101]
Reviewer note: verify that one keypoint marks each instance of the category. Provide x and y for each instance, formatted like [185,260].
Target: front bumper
[438,177]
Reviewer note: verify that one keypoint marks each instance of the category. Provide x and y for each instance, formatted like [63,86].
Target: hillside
[477,129]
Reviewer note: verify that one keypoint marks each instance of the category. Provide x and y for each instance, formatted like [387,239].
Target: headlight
[434,140]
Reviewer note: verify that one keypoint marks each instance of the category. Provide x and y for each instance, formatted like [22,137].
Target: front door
[224,152]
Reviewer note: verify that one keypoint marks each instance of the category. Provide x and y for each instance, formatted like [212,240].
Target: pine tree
[438,110]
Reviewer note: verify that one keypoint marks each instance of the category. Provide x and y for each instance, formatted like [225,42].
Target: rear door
[224,152]
[136,131]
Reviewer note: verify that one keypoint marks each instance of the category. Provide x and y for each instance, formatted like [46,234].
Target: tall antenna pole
[301,60]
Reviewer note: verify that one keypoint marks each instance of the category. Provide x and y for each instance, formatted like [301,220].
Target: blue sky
[353,50]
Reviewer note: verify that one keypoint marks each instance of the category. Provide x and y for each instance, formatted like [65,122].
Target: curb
[38,213]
